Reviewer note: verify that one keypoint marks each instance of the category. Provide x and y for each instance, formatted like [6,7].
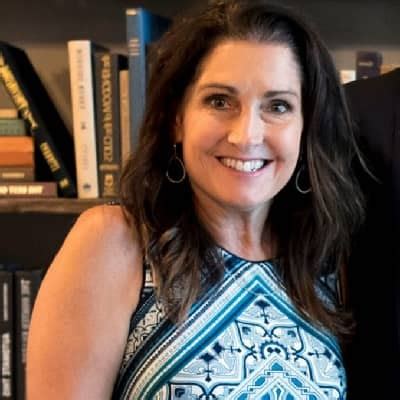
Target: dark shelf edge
[47,206]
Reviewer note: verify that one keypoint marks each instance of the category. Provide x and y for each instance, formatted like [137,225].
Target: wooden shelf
[47,206]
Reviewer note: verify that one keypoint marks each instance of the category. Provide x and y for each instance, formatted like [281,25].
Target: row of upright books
[108,100]
[18,290]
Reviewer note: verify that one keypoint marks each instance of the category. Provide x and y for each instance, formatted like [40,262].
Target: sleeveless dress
[243,340]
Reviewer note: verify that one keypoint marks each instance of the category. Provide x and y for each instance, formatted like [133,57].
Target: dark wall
[32,240]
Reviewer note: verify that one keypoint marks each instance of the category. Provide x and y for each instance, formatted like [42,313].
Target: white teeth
[240,165]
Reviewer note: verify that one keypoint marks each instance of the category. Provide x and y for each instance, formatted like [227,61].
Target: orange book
[16,151]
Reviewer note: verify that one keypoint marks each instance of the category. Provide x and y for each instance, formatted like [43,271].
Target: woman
[215,279]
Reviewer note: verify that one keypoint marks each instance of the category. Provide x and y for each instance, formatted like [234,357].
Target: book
[6,334]
[28,189]
[80,55]
[17,174]
[16,150]
[6,113]
[12,127]
[143,28]
[368,64]
[26,287]
[108,127]
[124,115]
[52,139]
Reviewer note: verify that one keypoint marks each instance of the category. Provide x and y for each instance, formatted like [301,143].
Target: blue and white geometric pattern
[244,341]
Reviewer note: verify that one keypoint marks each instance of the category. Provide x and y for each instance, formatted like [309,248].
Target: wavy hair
[313,231]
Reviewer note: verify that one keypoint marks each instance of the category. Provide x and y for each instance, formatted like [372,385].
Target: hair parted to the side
[313,231]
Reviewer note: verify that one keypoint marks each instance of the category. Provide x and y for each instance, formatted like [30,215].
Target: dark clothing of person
[373,357]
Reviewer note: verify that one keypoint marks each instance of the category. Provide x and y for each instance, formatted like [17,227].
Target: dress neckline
[239,258]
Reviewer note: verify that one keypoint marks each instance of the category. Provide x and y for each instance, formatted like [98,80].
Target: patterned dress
[244,340]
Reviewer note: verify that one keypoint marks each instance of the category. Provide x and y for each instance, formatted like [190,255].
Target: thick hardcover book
[108,126]
[17,174]
[16,150]
[143,28]
[7,335]
[81,64]
[52,139]
[368,64]
[28,189]
[12,127]
[26,286]
[8,113]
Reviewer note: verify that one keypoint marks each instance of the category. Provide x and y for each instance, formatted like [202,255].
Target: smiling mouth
[244,165]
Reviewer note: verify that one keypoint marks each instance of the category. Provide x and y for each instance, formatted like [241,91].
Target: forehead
[253,62]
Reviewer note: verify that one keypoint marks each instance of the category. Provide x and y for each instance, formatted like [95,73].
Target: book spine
[8,113]
[16,144]
[368,64]
[137,70]
[108,122]
[82,96]
[124,114]
[143,28]
[12,158]
[7,335]
[12,127]
[16,150]
[19,174]
[12,74]
[27,284]
[29,190]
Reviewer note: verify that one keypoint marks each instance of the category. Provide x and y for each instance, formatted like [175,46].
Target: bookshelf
[48,206]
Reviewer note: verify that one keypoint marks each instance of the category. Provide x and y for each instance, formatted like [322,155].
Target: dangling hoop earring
[299,189]
[178,165]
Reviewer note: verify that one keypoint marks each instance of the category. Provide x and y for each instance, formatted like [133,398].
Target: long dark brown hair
[313,230]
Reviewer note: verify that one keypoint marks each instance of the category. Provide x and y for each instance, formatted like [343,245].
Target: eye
[280,107]
[218,102]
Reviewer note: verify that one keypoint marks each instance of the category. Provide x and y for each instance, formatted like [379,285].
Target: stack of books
[46,130]
[17,161]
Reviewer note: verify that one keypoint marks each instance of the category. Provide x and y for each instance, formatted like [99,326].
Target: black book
[6,335]
[52,139]
[26,286]
[368,64]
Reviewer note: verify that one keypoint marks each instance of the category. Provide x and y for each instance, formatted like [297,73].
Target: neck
[244,233]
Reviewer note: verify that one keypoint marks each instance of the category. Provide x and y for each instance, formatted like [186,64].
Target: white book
[83,115]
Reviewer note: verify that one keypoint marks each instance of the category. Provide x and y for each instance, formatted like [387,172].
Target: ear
[178,128]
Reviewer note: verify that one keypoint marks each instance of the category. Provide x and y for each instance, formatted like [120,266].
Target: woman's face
[241,123]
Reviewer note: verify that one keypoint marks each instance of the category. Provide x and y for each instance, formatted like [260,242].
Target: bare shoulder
[84,306]
[103,241]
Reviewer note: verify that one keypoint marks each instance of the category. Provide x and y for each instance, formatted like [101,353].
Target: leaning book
[30,97]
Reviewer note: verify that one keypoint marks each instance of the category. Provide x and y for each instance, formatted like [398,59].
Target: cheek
[287,145]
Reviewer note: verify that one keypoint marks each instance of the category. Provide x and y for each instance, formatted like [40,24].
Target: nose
[248,128]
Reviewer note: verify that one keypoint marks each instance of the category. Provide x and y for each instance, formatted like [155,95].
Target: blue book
[143,28]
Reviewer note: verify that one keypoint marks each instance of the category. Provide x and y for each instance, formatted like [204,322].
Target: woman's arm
[81,316]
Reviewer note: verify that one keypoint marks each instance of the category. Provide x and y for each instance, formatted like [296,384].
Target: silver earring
[175,167]
[299,189]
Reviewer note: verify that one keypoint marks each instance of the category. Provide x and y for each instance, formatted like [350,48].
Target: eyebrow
[233,90]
